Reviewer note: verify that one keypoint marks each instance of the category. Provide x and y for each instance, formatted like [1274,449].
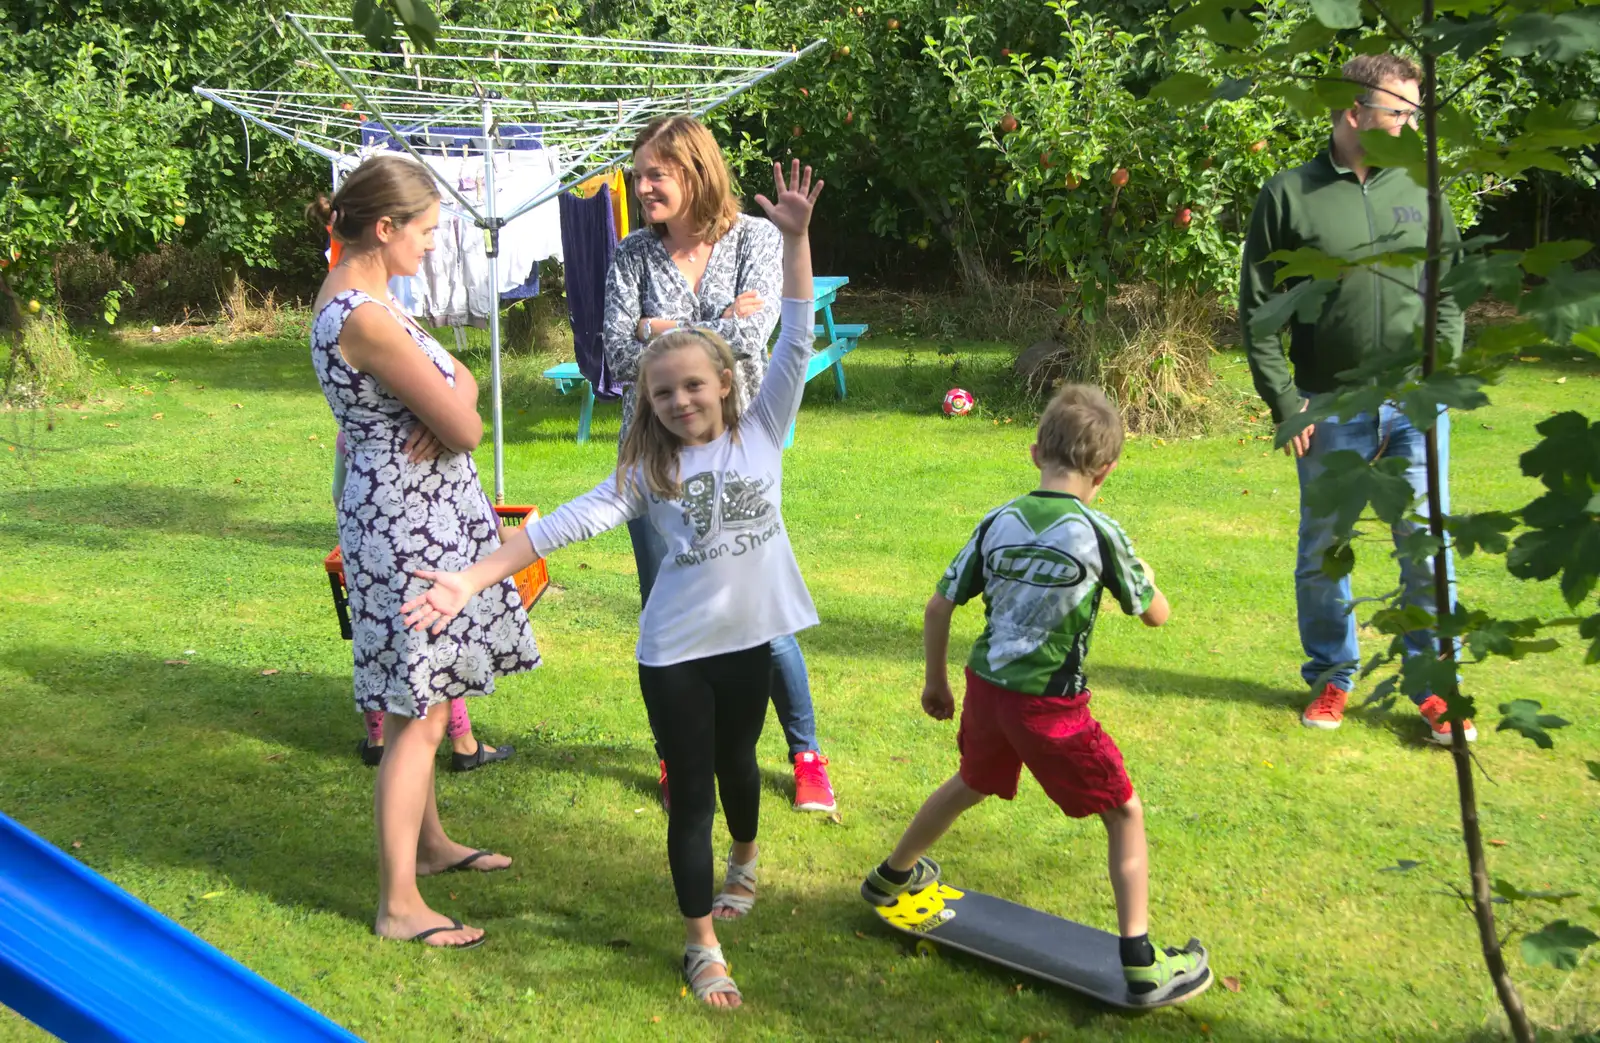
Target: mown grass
[183,515]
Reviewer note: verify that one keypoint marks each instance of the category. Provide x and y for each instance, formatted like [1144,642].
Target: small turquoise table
[841,337]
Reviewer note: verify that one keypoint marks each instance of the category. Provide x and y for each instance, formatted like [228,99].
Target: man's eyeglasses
[1403,115]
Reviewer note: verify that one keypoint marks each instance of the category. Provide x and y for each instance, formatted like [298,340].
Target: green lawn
[184,517]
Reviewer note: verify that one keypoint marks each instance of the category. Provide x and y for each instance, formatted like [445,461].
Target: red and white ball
[957,402]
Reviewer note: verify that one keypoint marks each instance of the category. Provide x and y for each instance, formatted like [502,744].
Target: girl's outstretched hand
[796,199]
[439,603]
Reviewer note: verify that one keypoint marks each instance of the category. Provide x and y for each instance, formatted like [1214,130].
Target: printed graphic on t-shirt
[723,505]
[1040,563]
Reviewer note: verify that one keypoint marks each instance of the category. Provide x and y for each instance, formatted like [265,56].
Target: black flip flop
[455,925]
[466,863]
[477,759]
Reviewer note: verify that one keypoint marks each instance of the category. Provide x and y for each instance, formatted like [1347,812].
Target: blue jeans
[791,686]
[1327,621]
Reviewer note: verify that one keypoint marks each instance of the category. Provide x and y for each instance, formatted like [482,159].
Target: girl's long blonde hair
[648,444]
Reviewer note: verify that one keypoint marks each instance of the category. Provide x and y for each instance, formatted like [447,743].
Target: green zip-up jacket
[1321,204]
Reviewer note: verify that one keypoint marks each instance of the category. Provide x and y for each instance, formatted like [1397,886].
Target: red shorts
[1069,753]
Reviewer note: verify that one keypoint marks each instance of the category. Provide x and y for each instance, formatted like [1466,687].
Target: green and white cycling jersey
[1040,563]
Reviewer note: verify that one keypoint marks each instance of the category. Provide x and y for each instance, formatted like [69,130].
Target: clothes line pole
[492,239]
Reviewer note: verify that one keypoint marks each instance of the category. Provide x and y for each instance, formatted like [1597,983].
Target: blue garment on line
[588,241]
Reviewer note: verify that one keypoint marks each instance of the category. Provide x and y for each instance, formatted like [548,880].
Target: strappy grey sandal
[740,876]
[696,958]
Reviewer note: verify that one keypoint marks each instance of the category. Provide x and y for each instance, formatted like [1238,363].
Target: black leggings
[706,715]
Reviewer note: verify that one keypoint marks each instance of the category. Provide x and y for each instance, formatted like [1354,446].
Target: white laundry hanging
[451,288]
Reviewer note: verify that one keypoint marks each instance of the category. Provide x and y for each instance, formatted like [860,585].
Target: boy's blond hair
[1081,431]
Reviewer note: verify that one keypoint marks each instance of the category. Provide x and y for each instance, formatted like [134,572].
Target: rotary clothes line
[488,93]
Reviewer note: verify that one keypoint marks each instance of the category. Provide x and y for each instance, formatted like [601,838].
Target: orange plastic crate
[531,582]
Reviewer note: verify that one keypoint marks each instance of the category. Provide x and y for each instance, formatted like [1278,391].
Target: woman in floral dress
[412,500]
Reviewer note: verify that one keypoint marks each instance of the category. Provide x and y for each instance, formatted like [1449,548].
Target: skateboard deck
[1044,946]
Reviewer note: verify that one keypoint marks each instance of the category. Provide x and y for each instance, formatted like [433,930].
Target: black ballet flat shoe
[370,755]
[483,755]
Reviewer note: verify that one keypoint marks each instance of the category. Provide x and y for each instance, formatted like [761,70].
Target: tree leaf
[1557,945]
[1466,38]
[418,20]
[1349,482]
[1182,88]
[1567,301]
[1303,101]
[1418,547]
[1558,37]
[1337,14]
[1510,339]
[1522,715]
[1565,456]
[1297,300]
[1404,151]
[373,20]
[1232,88]
[1512,893]
[1485,529]
[1339,560]
[1422,402]
[1306,261]
[1542,259]
[1424,673]
[1471,277]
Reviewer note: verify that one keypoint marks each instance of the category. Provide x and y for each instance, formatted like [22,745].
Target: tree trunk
[976,278]
[1471,834]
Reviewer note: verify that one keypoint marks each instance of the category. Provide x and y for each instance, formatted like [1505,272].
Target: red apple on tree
[849,118]
[1119,177]
[1183,217]
[797,130]
[346,106]
[893,23]
[1072,182]
[1005,52]
[1008,123]
[1044,159]
[1205,164]
[1260,146]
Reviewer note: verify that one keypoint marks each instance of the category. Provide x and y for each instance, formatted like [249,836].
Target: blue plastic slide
[85,960]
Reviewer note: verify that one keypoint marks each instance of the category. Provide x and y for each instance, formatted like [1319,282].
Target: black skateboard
[1026,940]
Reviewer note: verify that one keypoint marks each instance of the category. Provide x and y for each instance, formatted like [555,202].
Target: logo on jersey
[1035,565]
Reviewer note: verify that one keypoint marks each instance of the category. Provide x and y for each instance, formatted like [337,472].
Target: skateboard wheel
[926,948]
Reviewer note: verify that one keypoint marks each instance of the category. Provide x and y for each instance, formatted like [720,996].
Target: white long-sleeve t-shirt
[729,580]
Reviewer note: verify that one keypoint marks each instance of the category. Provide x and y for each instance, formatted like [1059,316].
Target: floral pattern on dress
[396,517]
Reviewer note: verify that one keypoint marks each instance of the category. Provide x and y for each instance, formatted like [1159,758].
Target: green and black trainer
[1175,976]
[880,890]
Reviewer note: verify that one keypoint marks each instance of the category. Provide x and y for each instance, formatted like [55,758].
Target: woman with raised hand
[699,263]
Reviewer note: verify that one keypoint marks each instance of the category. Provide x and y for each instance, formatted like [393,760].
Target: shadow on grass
[250,778]
[104,517]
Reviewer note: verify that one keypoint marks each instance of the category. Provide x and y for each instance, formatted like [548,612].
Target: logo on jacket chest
[1407,215]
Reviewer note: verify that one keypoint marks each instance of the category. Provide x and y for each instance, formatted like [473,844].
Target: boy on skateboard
[1041,562]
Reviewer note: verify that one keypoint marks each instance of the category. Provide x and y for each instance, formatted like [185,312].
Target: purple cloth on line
[588,241]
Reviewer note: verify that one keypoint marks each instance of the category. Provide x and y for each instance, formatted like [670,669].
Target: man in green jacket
[1340,204]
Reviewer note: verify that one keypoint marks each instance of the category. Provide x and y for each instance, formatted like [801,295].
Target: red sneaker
[1433,708]
[1327,709]
[666,796]
[812,790]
